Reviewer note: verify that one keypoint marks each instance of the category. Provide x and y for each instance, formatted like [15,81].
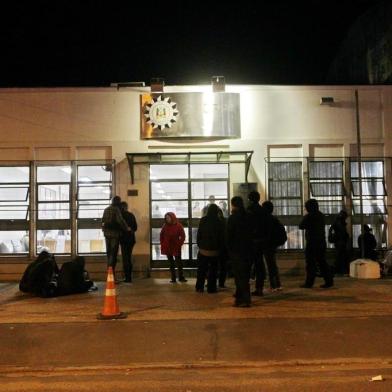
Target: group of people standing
[248,238]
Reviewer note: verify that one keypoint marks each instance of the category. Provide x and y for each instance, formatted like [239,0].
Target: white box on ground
[364,269]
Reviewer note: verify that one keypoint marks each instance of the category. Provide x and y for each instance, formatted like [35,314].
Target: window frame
[91,223]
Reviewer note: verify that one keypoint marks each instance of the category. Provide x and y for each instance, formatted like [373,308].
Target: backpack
[279,233]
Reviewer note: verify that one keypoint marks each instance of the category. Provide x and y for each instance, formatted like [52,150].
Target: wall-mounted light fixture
[127,84]
[157,85]
[218,84]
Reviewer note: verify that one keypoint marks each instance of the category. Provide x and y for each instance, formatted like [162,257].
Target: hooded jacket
[172,237]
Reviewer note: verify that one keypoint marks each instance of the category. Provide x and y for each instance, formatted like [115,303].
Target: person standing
[368,242]
[257,217]
[210,240]
[172,237]
[314,225]
[113,224]
[239,244]
[223,256]
[223,207]
[338,236]
[211,200]
[127,241]
[276,236]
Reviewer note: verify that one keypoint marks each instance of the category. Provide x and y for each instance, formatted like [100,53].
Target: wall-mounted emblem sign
[190,115]
[161,113]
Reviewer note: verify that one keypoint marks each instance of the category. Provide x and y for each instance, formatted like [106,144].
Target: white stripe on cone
[110,292]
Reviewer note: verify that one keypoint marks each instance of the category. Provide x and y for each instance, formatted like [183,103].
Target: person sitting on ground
[40,276]
[73,278]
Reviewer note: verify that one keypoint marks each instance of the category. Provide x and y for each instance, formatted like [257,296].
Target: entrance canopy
[189,157]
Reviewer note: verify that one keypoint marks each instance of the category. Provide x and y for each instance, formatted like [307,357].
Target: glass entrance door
[186,190]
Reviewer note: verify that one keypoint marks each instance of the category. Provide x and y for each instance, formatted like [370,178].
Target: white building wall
[104,123]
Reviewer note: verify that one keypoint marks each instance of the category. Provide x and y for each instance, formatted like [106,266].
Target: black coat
[314,225]
[239,233]
[258,221]
[129,236]
[369,242]
[211,234]
[71,279]
[39,275]
[339,228]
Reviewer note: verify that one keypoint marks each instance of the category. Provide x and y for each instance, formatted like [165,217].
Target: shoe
[257,293]
[305,286]
[182,280]
[242,305]
[173,281]
[93,288]
[326,286]
[280,288]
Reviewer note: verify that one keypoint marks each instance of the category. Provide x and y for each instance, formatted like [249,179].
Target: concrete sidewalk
[171,329]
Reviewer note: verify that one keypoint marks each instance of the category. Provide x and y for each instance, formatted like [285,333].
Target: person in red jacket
[172,237]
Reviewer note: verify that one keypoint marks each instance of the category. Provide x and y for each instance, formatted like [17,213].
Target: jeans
[173,260]
[273,270]
[259,266]
[126,252]
[207,267]
[241,271]
[315,257]
[112,245]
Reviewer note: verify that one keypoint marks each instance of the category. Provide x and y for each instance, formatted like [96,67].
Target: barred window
[326,185]
[372,187]
[285,192]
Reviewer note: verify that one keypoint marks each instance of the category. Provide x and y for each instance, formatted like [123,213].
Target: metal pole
[359,153]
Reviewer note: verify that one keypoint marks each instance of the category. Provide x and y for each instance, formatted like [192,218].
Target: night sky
[94,43]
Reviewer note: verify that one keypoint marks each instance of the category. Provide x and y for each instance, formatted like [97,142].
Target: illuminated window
[14,209]
[326,185]
[94,192]
[285,192]
[54,209]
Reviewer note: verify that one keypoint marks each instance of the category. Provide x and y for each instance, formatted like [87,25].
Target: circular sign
[161,113]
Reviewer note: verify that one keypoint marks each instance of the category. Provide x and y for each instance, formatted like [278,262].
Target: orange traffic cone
[111,309]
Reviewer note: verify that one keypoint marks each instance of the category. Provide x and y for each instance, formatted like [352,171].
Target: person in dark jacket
[40,277]
[172,238]
[210,240]
[223,264]
[314,225]
[270,245]
[127,241]
[113,224]
[257,218]
[339,237]
[239,245]
[368,242]
[73,278]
